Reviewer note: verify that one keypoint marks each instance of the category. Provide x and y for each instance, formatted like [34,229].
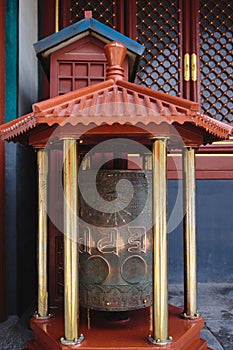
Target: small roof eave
[46,46]
[87,24]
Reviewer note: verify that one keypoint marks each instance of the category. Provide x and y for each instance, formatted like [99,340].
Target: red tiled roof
[115,101]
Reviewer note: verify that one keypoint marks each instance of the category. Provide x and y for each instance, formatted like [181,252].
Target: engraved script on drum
[110,240]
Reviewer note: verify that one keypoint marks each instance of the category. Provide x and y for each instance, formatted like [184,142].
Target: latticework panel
[73,75]
[216,58]
[103,11]
[158,30]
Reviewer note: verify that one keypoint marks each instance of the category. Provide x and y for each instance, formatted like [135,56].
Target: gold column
[56,16]
[160,277]
[189,203]
[71,236]
[42,164]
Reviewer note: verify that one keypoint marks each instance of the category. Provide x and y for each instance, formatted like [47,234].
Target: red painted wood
[214,166]
[47,28]
[2,169]
[78,65]
[64,13]
[119,16]
[194,46]
[131,19]
[186,41]
[130,334]
[181,63]
[47,17]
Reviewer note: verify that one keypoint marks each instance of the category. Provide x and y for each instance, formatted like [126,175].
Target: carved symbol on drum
[134,269]
[108,244]
[97,269]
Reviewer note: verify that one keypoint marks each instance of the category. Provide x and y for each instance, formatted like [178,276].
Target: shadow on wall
[21,223]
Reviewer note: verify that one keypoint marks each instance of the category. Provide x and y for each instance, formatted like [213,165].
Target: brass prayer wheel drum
[116,241]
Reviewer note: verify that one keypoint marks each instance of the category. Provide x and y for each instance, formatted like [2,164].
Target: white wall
[28,62]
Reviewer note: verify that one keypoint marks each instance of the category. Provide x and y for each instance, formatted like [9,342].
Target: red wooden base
[131,333]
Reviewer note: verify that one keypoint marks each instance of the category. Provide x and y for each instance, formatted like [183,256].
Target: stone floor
[215,304]
[14,334]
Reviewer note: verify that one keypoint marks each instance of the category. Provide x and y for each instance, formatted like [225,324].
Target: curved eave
[119,102]
[17,127]
[212,126]
[25,124]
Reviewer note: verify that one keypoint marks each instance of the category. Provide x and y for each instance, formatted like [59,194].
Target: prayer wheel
[116,240]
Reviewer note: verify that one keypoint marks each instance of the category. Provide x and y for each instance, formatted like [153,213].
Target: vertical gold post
[189,203]
[71,276]
[56,16]
[160,277]
[42,164]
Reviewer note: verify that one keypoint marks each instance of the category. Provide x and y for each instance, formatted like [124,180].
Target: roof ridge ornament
[115,53]
[88,14]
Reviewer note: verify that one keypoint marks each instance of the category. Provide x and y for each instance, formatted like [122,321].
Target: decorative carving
[115,297]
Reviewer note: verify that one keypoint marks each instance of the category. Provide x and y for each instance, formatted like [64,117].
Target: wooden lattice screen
[158,30]
[103,10]
[216,58]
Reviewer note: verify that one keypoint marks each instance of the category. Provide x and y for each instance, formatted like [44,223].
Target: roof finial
[115,53]
[88,14]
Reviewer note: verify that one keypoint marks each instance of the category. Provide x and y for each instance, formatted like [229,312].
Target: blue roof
[87,24]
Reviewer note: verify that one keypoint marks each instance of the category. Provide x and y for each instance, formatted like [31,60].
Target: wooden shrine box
[74,57]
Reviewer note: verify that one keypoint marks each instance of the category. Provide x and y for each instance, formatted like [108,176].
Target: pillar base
[131,334]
